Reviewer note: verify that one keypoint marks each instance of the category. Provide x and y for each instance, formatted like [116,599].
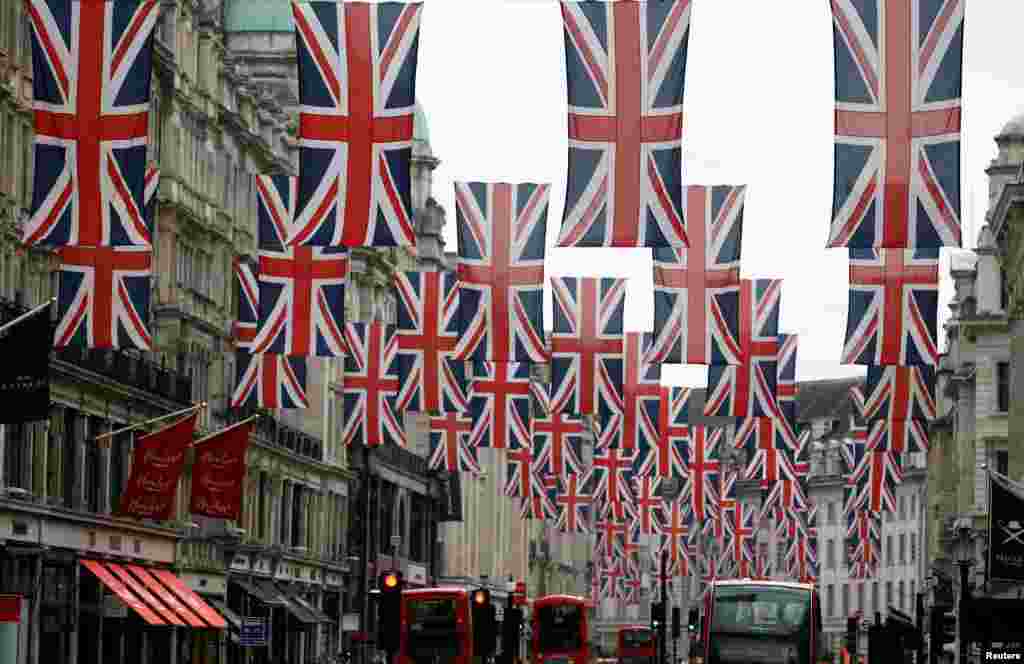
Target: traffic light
[389,609]
[694,621]
[677,622]
[852,627]
[485,638]
[657,613]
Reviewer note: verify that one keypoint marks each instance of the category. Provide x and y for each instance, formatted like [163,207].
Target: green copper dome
[259,16]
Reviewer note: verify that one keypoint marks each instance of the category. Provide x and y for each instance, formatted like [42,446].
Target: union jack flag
[893,313]
[540,504]
[897,144]
[786,496]
[876,477]
[632,388]
[449,444]
[93,62]
[697,290]
[611,577]
[864,538]
[500,400]
[609,472]
[626,68]
[519,472]
[357,98]
[742,531]
[724,504]
[302,289]
[669,458]
[501,231]
[631,588]
[589,316]
[676,531]
[898,436]
[427,334]
[899,393]
[649,506]
[152,185]
[768,449]
[802,558]
[762,568]
[786,387]
[749,387]
[610,532]
[370,386]
[269,381]
[103,297]
[573,505]
[558,443]
[703,469]
[244,329]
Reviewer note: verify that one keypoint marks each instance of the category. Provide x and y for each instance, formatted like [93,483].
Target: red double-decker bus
[636,645]
[761,621]
[561,634]
[437,627]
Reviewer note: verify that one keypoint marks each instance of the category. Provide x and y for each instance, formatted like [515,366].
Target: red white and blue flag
[626,69]
[717,522]
[610,532]
[900,393]
[427,329]
[540,503]
[741,529]
[703,469]
[609,475]
[244,329]
[631,388]
[898,436]
[650,506]
[697,289]
[893,312]
[668,459]
[449,444]
[103,297]
[500,403]
[786,385]
[676,532]
[897,119]
[302,289]
[588,329]
[501,230]
[519,467]
[370,385]
[876,476]
[269,381]
[749,387]
[864,540]
[573,505]
[558,443]
[357,101]
[152,186]
[768,448]
[92,67]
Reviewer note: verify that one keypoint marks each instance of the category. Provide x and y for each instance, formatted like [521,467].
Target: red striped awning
[156,595]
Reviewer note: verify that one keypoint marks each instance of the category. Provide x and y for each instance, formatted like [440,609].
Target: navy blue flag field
[25,376]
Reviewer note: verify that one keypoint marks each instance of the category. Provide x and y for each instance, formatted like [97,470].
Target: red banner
[218,473]
[156,467]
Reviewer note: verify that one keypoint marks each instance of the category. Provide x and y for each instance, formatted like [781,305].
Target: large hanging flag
[501,231]
[864,541]
[243,332]
[357,101]
[802,552]
[786,497]
[540,503]
[899,393]
[449,444]
[152,186]
[610,532]
[897,145]
[632,388]
[717,521]
[703,469]
[93,63]
[218,472]
[675,536]
[103,297]
[573,505]
[893,313]
[266,380]
[768,447]
[558,443]
[749,387]
[427,333]
[697,290]
[301,289]
[626,68]
[876,477]
[25,374]
[898,436]
[589,316]
[741,531]
[609,475]
[786,386]
[649,505]
[500,401]
[669,458]
[157,461]
[370,386]
[519,472]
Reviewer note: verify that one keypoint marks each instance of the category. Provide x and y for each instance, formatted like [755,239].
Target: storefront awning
[254,589]
[315,614]
[233,619]
[294,608]
[157,596]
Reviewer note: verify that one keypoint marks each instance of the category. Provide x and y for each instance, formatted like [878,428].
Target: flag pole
[184,411]
[27,314]
[251,418]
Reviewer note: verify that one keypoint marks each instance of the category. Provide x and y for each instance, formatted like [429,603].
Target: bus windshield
[637,638]
[431,625]
[560,627]
[769,611]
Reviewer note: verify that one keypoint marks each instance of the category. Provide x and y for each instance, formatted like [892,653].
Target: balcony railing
[122,366]
[278,434]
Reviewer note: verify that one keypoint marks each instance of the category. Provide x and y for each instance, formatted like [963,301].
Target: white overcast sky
[758,106]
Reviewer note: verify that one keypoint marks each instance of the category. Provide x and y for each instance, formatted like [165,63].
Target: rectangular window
[846,600]
[903,548]
[913,548]
[1003,387]
[913,506]
[874,596]
[913,597]
[1004,289]
[831,597]
[830,507]
[15,456]
[903,598]
[888,592]
[903,507]
[1003,462]
[830,552]
[890,551]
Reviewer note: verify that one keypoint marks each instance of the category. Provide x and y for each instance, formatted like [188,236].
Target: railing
[276,433]
[122,366]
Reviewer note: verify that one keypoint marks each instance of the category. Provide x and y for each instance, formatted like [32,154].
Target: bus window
[560,627]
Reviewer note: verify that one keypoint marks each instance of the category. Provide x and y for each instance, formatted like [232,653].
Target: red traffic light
[390,581]
[480,597]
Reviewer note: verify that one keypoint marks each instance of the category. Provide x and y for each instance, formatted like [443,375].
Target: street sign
[253,633]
